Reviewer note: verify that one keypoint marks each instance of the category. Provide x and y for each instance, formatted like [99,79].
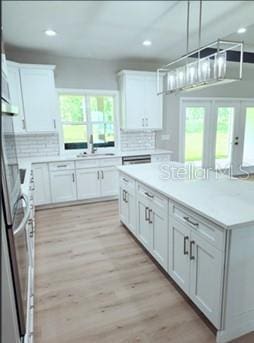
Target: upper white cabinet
[16,96]
[32,89]
[39,98]
[141,108]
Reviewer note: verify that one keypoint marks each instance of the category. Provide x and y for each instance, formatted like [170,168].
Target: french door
[218,134]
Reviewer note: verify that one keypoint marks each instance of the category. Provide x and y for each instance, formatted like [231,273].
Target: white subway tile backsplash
[141,140]
[37,145]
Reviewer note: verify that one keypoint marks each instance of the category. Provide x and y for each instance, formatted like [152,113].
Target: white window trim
[208,148]
[114,94]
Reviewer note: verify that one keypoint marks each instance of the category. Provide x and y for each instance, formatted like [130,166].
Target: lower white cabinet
[197,267]
[88,183]
[41,184]
[127,204]
[63,185]
[109,181]
[152,224]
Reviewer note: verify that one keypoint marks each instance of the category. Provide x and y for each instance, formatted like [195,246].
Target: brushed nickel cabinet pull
[73,177]
[126,200]
[185,251]
[147,214]
[98,174]
[150,220]
[102,174]
[187,219]
[149,195]
[192,257]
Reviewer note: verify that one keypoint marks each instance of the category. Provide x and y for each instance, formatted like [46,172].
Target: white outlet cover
[165,137]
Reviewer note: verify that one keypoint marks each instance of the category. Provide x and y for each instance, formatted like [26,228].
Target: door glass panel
[194,134]
[224,133]
[248,152]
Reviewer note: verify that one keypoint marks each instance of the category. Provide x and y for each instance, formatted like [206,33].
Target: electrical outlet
[165,137]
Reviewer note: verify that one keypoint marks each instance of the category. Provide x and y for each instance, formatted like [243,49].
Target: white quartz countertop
[228,202]
[44,159]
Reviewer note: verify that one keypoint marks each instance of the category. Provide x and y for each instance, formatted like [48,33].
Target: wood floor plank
[95,284]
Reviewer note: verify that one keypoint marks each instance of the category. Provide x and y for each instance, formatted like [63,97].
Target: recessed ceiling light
[147,42]
[241,30]
[50,33]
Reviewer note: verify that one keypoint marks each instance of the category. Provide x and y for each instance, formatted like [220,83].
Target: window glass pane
[248,154]
[72,108]
[75,136]
[103,134]
[224,137]
[102,108]
[194,134]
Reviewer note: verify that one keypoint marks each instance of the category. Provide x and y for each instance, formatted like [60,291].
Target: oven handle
[26,215]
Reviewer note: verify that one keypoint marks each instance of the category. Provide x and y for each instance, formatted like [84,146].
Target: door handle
[149,218]
[147,214]
[192,257]
[126,200]
[185,251]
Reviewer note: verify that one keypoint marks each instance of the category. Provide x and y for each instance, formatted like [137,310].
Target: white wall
[240,89]
[81,72]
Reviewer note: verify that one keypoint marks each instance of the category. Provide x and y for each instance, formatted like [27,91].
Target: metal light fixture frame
[216,45]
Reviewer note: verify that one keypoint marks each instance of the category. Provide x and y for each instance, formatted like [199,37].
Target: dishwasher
[136,159]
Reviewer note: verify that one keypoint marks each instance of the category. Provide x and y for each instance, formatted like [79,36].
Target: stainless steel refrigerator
[15,209]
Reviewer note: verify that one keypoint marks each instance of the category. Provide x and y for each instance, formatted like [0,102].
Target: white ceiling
[116,29]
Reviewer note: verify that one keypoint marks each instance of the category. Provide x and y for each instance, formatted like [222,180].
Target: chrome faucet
[93,149]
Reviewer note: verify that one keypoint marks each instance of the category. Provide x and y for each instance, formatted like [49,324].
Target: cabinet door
[109,181]
[16,97]
[179,261]
[123,207]
[134,107]
[152,104]
[159,223]
[41,184]
[144,228]
[63,185]
[88,183]
[131,200]
[39,98]
[206,278]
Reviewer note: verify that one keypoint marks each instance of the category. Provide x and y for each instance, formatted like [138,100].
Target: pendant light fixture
[203,67]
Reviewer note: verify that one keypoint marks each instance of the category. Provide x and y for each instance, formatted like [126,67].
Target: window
[83,115]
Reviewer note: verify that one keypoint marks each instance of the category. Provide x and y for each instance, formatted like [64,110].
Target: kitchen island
[199,226]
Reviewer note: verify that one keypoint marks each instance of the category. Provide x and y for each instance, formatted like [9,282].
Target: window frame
[86,93]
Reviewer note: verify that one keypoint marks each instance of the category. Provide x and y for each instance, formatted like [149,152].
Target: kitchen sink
[95,155]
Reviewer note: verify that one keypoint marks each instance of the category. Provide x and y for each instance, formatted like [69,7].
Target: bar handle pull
[185,251]
[192,257]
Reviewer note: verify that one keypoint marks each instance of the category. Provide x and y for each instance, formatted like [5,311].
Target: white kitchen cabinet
[109,181]
[179,260]
[16,96]
[127,202]
[63,185]
[159,224]
[197,267]
[141,108]
[41,184]
[144,228]
[88,183]
[39,98]
[206,278]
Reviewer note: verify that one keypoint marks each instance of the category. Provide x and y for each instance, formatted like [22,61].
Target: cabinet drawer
[155,198]
[65,165]
[209,231]
[90,163]
[110,162]
[127,183]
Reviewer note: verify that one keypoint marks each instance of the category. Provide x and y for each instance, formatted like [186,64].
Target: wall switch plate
[165,137]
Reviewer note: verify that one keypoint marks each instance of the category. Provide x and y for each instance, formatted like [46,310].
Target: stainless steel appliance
[16,212]
[136,159]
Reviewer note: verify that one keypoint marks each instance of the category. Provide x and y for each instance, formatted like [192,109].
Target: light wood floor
[95,284]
